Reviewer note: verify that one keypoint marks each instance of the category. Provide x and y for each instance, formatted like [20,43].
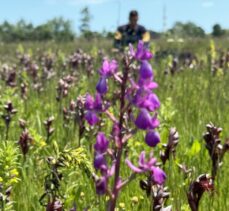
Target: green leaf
[195,149]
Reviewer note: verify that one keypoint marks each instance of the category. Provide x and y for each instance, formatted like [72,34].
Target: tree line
[60,29]
[190,29]
[56,29]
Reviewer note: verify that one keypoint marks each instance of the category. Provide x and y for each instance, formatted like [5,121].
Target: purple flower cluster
[140,95]
[93,106]
[144,98]
[158,175]
[100,163]
[108,69]
[146,101]
[141,53]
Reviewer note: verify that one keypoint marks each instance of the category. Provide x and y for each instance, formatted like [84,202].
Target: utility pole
[164,18]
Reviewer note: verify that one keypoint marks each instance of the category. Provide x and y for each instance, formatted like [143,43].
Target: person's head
[133,18]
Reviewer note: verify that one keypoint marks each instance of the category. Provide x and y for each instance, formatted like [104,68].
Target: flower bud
[152,138]
[101,86]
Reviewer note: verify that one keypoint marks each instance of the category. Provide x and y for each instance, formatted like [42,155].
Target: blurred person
[130,33]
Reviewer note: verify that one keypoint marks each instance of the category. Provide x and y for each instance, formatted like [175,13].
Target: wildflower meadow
[83,128]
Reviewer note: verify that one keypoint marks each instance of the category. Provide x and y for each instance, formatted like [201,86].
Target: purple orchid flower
[98,104]
[146,70]
[144,83]
[101,144]
[101,86]
[108,68]
[144,98]
[89,102]
[152,138]
[93,106]
[158,175]
[144,120]
[101,186]
[147,83]
[100,162]
[91,118]
[142,53]
[143,165]
[152,103]
[141,95]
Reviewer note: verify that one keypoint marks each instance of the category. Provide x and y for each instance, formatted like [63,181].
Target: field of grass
[190,99]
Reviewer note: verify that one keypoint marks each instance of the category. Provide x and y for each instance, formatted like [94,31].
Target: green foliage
[195,149]
[85,23]
[9,174]
[167,113]
[66,170]
[56,29]
[186,30]
[217,31]
[71,158]
[38,141]
[9,163]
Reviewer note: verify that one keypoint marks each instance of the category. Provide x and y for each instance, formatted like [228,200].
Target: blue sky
[105,12]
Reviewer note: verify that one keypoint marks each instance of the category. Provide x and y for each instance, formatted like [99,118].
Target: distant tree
[193,30]
[6,31]
[217,31]
[23,31]
[55,29]
[85,23]
[43,32]
[188,29]
[61,29]
[110,35]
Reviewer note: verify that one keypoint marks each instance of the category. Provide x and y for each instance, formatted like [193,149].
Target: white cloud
[208,4]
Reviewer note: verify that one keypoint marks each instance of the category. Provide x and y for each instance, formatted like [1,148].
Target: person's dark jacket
[126,35]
